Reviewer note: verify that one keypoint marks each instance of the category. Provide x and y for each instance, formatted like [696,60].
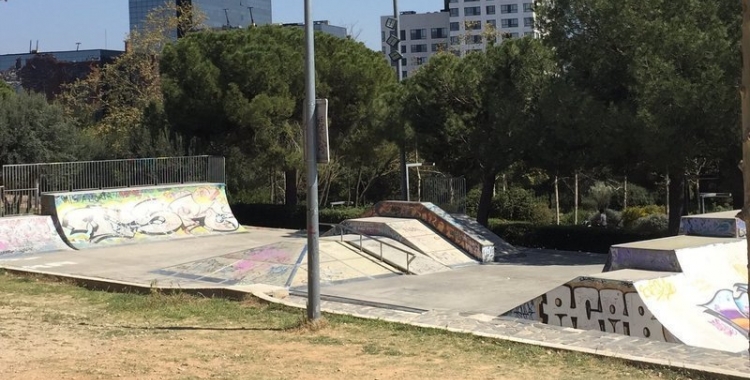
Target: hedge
[566,238]
[292,217]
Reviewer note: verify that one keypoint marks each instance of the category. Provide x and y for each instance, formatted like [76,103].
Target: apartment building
[462,26]
[219,13]
[421,35]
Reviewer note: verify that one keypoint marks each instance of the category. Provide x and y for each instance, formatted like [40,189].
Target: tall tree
[112,102]
[32,130]
[666,72]
[244,88]
[471,114]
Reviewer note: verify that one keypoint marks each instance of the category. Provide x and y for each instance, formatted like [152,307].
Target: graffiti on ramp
[730,309]
[113,217]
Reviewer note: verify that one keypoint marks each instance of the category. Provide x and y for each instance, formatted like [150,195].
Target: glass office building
[219,13]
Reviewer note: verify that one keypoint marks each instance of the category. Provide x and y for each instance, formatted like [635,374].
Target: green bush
[631,214]
[520,204]
[654,223]
[614,218]
[291,217]
[567,238]
[637,196]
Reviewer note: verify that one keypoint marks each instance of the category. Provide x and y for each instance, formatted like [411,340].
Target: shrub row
[292,217]
[566,238]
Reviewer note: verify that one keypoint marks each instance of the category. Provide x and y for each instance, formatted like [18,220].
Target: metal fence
[447,193]
[23,184]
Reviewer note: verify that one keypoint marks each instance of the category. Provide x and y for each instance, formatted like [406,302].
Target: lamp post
[313,235]
[395,42]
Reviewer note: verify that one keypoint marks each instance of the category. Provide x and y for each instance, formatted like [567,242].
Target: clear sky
[98,24]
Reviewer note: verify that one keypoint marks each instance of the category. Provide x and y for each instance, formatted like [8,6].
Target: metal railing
[23,184]
[340,229]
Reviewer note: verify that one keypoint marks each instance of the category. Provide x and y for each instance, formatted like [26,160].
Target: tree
[32,130]
[112,101]
[471,114]
[244,88]
[666,73]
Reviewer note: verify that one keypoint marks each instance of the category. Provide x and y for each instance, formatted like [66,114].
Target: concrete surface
[486,289]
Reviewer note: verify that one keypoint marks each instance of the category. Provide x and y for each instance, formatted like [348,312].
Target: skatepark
[410,262]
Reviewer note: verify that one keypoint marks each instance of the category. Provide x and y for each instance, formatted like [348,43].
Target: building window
[454,12]
[473,25]
[418,34]
[404,74]
[528,22]
[454,26]
[439,33]
[438,47]
[403,62]
[453,1]
[475,39]
[509,23]
[419,61]
[472,11]
[382,36]
[493,23]
[528,7]
[490,10]
[528,34]
[470,1]
[419,48]
[509,8]
[402,37]
[403,49]
[455,40]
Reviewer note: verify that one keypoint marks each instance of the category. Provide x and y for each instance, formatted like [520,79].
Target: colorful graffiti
[272,264]
[625,257]
[705,225]
[595,304]
[731,310]
[29,234]
[470,241]
[115,217]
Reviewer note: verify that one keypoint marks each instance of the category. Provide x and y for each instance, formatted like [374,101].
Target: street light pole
[313,252]
[402,153]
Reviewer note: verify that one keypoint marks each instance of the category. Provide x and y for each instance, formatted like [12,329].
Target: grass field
[53,330]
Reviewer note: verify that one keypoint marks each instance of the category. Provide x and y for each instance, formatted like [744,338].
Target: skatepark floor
[467,299]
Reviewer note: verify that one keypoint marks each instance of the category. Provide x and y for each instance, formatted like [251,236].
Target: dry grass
[56,330]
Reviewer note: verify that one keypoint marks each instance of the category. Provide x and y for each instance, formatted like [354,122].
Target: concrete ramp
[122,216]
[604,302]
[665,254]
[281,264]
[396,254]
[706,305]
[462,231]
[29,234]
[717,224]
[414,234]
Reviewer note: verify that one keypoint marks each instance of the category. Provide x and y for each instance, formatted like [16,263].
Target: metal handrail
[409,256]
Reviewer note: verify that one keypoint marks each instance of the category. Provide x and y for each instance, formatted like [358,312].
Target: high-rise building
[462,26]
[421,35]
[322,26]
[219,13]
